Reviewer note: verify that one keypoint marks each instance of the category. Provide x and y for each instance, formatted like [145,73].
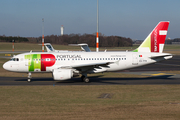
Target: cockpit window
[14,59]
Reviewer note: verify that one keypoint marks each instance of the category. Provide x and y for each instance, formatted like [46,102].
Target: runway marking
[167,64]
[157,74]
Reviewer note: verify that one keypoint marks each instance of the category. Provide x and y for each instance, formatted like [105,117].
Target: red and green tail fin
[155,40]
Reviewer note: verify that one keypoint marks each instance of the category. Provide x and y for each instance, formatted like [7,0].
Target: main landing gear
[29,77]
[85,79]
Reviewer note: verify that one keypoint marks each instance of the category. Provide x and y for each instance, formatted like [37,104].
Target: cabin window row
[95,59]
[82,59]
[48,59]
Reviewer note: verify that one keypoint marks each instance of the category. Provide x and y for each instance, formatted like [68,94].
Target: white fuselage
[82,61]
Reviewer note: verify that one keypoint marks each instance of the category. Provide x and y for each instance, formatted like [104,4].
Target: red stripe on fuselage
[48,60]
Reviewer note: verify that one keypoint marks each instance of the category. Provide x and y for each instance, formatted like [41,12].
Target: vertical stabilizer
[155,40]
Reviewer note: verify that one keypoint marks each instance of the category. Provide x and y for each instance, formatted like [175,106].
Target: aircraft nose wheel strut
[29,77]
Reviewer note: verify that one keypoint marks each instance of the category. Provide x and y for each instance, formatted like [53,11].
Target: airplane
[50,48]
[65,65]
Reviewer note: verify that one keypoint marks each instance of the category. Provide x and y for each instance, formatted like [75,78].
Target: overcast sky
[127,18]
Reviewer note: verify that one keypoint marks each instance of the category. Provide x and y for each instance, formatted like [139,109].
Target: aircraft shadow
[100,80]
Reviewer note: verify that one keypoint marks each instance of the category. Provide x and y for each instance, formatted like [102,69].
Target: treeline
[90,39]
[10,39]
[172,41]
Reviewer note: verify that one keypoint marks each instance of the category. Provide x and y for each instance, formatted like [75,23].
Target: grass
[137,102]
[4,46]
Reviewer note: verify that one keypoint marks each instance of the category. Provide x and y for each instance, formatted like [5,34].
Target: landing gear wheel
[86,80]
[28,80]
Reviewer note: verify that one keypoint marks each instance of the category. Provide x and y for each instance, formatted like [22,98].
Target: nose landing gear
[29,77]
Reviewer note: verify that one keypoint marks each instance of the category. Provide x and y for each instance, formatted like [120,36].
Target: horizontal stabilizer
[165,56]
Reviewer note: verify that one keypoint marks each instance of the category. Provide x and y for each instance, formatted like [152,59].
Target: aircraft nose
[6,66]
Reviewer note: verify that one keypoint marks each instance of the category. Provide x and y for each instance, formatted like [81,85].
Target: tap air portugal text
[65,65]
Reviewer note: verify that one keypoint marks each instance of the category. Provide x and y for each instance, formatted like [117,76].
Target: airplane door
[134,59]
[28,62]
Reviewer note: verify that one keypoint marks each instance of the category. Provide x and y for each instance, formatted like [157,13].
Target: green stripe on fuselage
[34,62]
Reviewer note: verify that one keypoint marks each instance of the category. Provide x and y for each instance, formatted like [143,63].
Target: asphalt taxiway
[153,74]
[150,80]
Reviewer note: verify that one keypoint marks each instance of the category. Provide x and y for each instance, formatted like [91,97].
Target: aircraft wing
[93,65]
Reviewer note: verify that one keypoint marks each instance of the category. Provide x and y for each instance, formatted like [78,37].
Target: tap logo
[155,41]
[158,37]
[39,62]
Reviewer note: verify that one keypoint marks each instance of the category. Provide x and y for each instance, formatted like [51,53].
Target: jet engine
[62,74]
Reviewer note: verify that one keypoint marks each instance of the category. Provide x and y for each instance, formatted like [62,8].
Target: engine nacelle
[62,74]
